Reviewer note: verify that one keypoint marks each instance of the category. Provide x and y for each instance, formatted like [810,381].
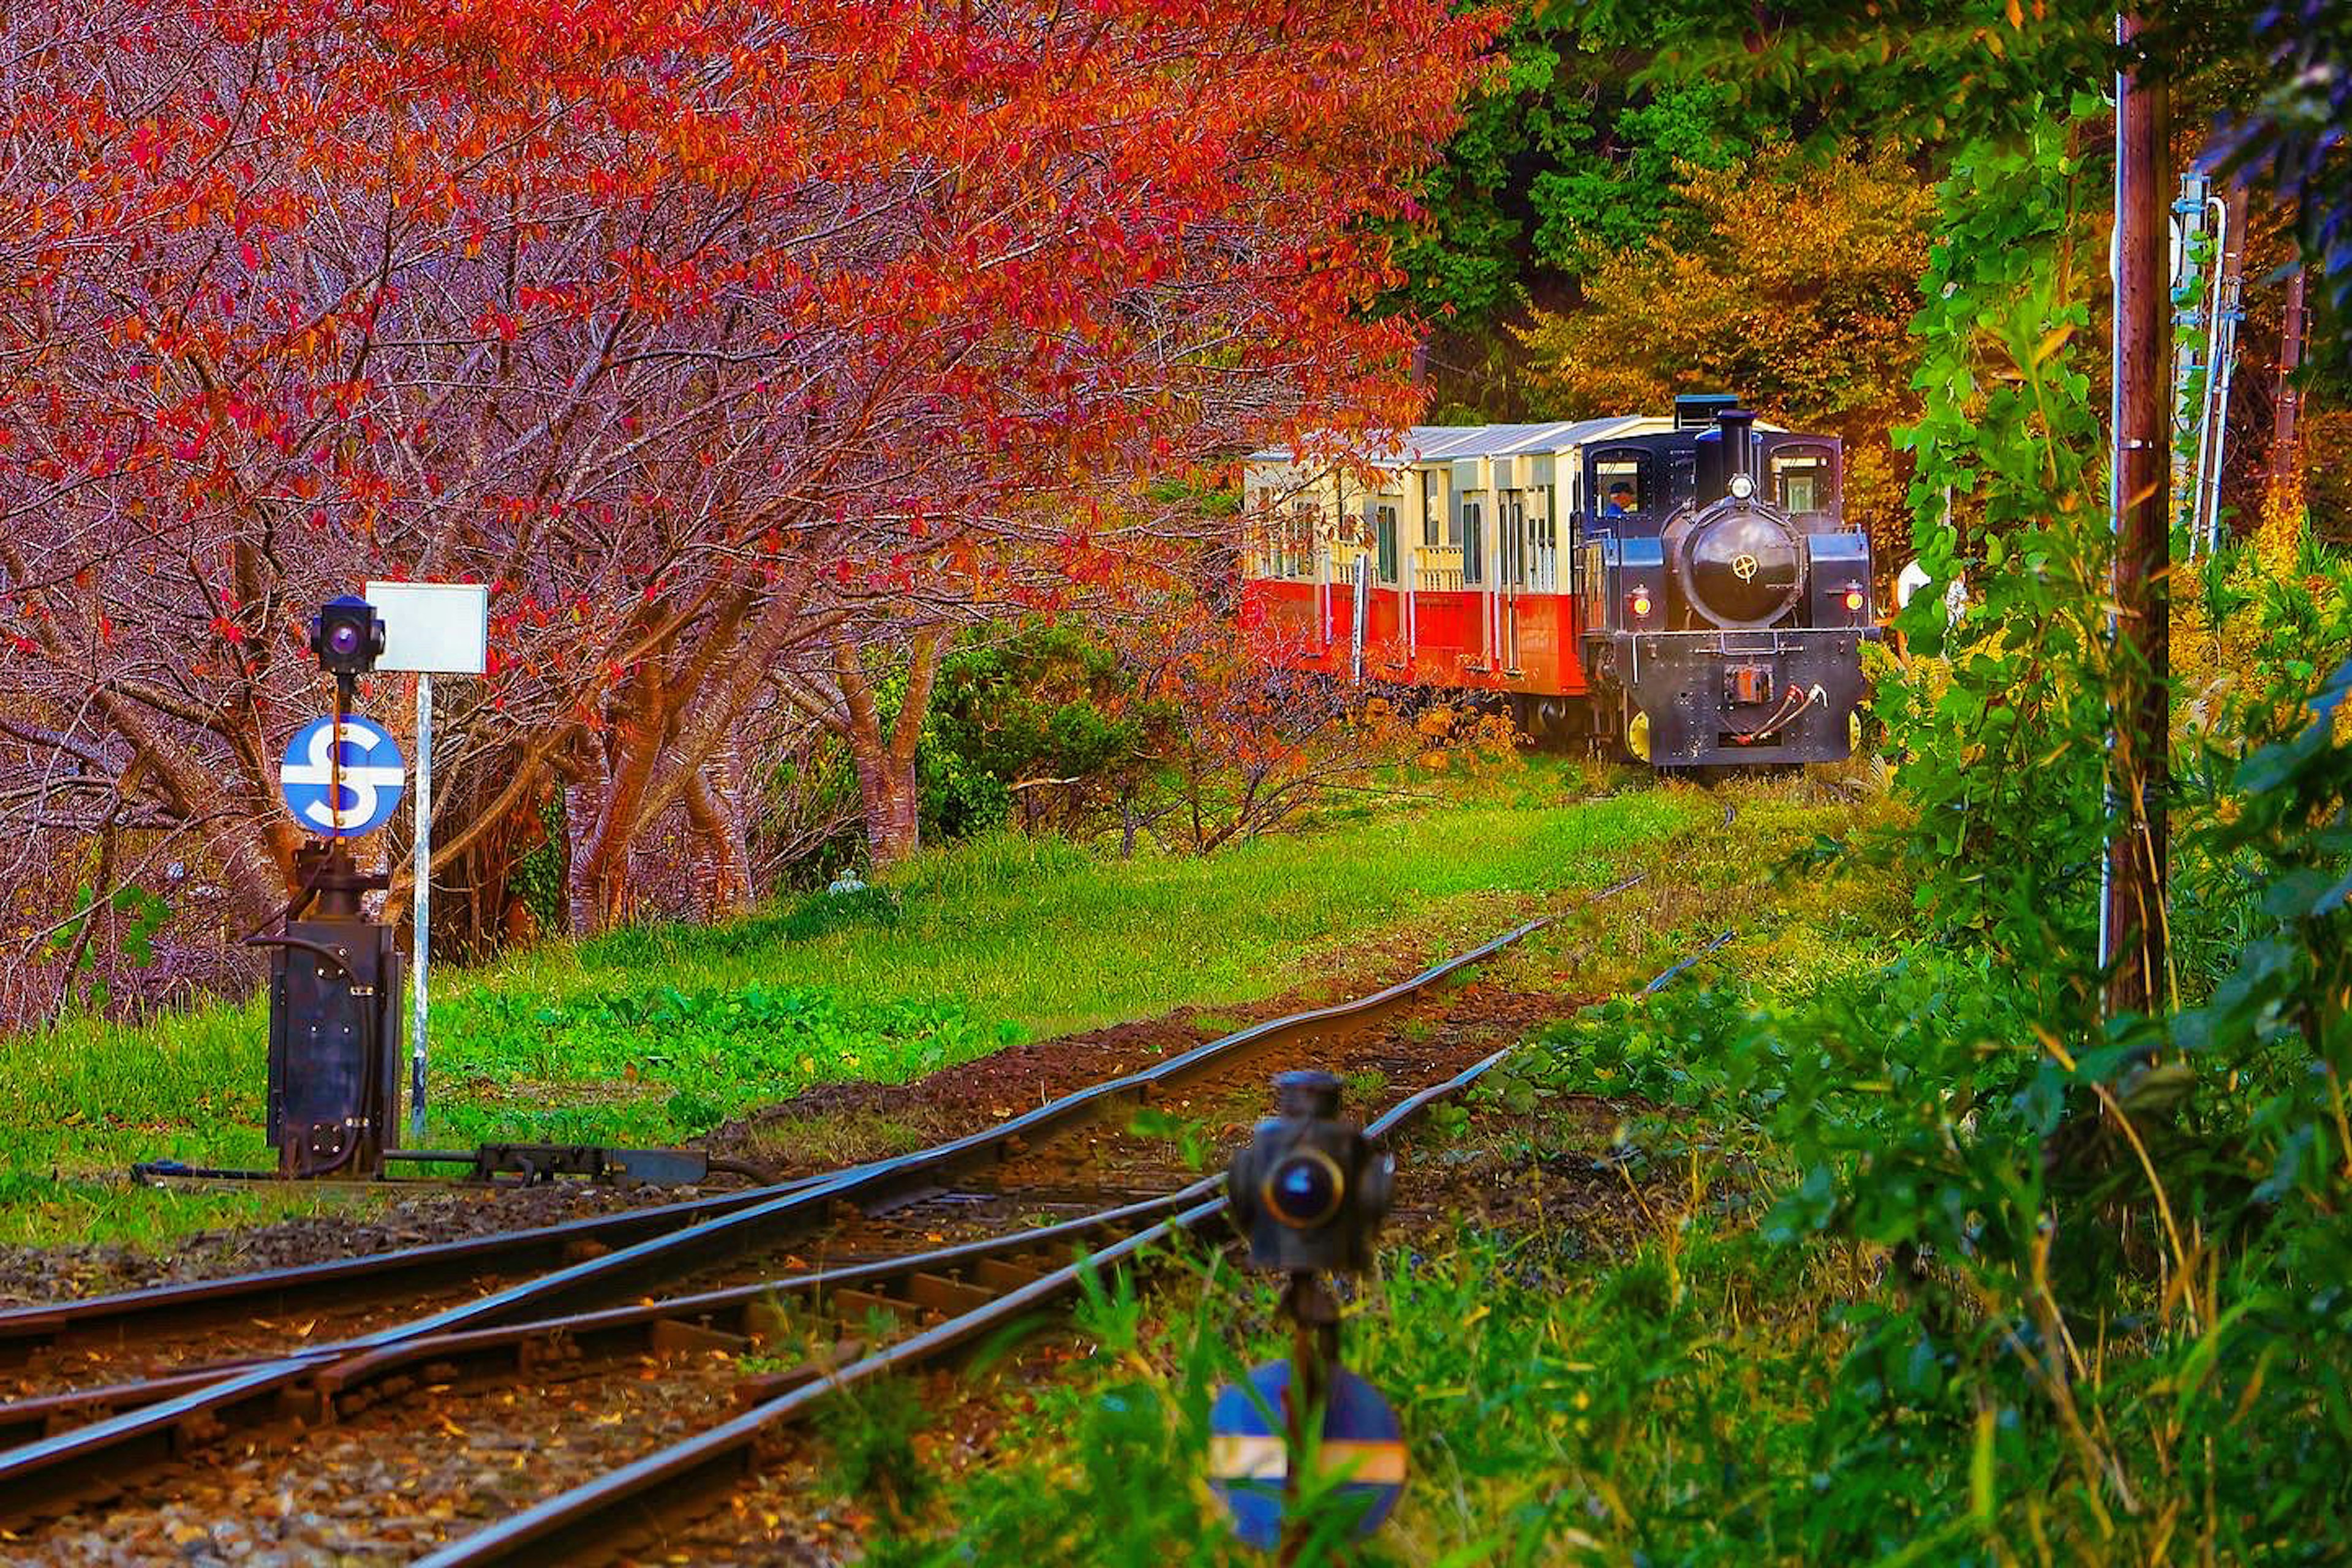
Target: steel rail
[122,1315]
[596,1521]
[626,1331]
[253,1395]
[338,1385]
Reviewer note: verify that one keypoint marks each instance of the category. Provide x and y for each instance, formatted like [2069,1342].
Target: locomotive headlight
[1854,601]
[1742,486]
[1638,602]
[1305,1189]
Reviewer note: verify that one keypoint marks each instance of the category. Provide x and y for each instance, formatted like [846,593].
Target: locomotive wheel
[1550,723]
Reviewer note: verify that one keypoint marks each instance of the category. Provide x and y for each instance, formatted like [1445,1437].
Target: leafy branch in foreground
[1998,726]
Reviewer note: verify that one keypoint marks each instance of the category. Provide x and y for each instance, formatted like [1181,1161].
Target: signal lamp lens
[1304,1189]
[1854,601]
[1640,603]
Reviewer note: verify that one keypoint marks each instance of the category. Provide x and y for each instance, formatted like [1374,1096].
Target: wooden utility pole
[2286,463]
[2139,759]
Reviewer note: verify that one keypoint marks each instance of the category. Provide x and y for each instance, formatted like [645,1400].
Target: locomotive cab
[1727,604]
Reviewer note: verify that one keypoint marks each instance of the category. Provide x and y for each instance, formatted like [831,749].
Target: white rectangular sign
[434,629]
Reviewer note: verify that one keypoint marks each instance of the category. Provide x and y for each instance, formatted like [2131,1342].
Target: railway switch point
[335,976]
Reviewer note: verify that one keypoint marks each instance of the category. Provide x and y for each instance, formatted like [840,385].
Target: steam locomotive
[1682,587]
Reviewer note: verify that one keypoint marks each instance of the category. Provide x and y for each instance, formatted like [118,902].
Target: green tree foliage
[2292,142]
[1042,707]
[1792,281]
[1939,71]
[1625,190]
[2001,732]
[1036,722]
[1564,157]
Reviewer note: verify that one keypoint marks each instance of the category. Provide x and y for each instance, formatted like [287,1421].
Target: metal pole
[1314,1359]
[2139,762]
[1361,608]
[2229,312]
[2192,434]
[422,900]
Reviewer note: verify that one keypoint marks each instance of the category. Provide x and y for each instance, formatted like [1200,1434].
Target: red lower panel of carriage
[1489,642]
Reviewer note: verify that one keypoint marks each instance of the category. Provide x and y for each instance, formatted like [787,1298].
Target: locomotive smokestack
[1737,425]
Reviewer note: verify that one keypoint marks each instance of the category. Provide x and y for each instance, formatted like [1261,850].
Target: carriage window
[1473,543]
[1802,480]
[1622,485]
[1294,540]
[1543,543]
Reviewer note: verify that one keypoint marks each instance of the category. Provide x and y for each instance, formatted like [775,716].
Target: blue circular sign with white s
[363,762]
[1361,1454]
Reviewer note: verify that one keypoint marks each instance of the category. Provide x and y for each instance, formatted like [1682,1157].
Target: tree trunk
[583,810]
[2283,487]
[888,793]
[714,800]
[600,843]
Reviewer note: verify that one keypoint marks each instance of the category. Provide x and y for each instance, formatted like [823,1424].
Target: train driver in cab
[1620,501]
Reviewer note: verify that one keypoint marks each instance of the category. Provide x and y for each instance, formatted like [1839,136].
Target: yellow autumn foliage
[1793,286]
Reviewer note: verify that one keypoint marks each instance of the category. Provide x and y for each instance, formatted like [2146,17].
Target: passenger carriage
[1683,585]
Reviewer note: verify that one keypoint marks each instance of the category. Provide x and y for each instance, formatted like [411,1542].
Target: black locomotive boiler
[1725,599]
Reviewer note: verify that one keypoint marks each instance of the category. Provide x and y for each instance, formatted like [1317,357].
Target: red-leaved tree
[717,337]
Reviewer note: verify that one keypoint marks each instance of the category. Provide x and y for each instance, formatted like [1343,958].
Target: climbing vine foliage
[2000,738]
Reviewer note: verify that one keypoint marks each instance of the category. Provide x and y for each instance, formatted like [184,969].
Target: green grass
[1723,1345]
[654,1034]
[1619,1377]
[1557,1408]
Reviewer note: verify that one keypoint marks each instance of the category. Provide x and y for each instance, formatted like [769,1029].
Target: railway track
[644,1500]
[622,1303]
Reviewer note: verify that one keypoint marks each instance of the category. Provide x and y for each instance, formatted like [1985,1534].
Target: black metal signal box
[334,1028]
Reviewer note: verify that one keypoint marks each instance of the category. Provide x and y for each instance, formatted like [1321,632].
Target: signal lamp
[347,637]
[1309,1189]
[1304,1189]
[1854,601]
[1638,602]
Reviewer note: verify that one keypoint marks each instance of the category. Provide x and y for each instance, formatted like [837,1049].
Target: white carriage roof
[1444,443]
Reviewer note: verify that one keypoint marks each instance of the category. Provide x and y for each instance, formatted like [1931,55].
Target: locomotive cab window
[1804,479]
[1623,485]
